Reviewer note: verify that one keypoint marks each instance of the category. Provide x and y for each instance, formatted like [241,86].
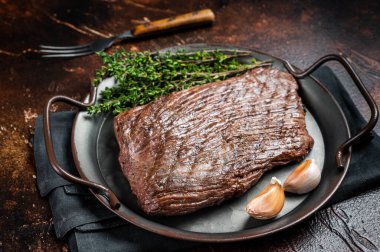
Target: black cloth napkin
[89,226]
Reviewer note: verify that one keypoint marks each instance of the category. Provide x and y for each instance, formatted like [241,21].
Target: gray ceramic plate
[96,156]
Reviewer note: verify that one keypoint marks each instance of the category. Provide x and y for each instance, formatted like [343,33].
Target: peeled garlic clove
[304,178]
[269,202]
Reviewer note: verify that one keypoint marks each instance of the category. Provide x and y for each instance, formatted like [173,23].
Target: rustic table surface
[299,31]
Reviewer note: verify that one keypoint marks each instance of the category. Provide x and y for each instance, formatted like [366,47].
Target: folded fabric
[362,173]
[91,227]
[71,205]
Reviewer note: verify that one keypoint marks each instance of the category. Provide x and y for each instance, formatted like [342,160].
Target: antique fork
[192,19]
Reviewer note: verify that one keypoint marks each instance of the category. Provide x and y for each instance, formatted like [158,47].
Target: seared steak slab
[198,147]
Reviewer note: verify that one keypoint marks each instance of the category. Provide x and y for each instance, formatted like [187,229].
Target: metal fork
[192,19]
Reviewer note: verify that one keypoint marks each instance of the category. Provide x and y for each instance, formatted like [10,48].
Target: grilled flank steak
[198,147]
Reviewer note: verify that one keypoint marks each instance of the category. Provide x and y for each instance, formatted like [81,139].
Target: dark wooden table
[299,31]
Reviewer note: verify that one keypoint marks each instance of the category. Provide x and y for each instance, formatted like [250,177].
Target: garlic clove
[268,203]
[304,178]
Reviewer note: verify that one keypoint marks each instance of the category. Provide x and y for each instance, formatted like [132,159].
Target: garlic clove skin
[304,178]
[268,203]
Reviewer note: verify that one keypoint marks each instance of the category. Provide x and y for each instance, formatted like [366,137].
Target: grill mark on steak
[201,146]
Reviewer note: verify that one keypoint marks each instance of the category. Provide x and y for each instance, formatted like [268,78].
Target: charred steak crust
[198,147]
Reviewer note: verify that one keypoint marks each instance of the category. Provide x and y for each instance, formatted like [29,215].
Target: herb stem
[145,76]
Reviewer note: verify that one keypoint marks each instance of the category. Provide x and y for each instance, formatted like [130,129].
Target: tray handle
[369,99]
[97,188]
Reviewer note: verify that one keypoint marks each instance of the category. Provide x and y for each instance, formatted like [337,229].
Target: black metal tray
[95,154]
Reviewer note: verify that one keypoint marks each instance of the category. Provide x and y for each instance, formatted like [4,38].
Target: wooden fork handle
[195,18]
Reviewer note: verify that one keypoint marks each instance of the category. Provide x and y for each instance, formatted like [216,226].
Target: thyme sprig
[142,77]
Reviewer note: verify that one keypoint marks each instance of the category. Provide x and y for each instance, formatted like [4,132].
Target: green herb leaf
[144,76]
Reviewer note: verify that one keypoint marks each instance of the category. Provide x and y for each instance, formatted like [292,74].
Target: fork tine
[62,47]
[66,55]
[77,50]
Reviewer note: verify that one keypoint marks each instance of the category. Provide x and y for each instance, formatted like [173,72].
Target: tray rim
[168,231]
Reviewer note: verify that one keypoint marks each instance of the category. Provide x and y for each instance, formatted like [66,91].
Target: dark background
[298,31]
